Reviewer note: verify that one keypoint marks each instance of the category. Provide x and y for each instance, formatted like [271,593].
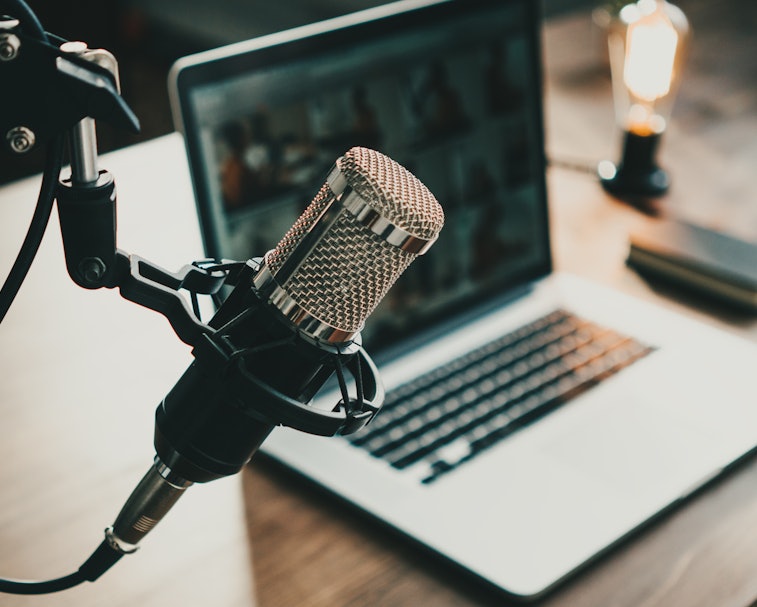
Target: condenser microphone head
[368,222]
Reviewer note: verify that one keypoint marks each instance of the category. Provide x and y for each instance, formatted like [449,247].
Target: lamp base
[625,184]
[637,175]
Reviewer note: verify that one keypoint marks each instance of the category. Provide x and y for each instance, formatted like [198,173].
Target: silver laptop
[532,420]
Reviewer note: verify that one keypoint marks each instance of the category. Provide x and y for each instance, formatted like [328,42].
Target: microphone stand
[229,350]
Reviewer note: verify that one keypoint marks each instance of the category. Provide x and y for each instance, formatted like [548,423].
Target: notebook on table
[532,420]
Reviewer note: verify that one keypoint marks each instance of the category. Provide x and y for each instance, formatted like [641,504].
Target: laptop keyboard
[451,414]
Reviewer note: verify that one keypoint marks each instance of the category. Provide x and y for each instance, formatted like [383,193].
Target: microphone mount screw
[9,42]
[92,270]
[20,139]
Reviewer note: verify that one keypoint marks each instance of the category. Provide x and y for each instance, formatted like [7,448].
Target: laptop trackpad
[636,449]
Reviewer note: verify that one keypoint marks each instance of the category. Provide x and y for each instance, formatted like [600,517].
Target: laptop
[533,420]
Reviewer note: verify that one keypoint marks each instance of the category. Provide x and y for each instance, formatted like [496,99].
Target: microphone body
[227,401]
[292,320]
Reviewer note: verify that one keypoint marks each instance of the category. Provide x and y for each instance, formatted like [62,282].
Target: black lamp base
[637,175]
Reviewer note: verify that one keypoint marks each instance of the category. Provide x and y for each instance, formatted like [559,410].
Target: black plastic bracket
[88,227]
[257,397]
[345,418]
[47,91]
[149,285]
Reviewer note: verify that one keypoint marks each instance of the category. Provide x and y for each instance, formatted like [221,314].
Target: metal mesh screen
[302,226]
[347,274]
[393,191]
[350,269]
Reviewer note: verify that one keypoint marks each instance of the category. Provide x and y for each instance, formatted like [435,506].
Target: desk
[73,442]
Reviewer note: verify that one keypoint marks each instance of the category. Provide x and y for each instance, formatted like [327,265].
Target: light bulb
[647,42]
[651,44]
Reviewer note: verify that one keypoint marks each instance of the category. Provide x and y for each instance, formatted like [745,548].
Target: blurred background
[147,37]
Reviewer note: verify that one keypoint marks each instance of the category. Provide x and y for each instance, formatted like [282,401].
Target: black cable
[104,556]
[570,164]
[53,161]
[37,227]
[28,587]
[101,560]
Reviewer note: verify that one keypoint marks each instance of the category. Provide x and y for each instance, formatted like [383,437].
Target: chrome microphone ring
[309,325]
[371,218]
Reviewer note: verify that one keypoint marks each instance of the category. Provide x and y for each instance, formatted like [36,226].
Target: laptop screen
[450,90]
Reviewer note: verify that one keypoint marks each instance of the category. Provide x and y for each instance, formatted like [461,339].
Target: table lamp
[646,42]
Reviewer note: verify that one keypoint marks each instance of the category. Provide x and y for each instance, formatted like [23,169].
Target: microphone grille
[393,191]
[347,272]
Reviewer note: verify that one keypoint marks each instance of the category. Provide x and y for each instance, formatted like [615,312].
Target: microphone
[292,321]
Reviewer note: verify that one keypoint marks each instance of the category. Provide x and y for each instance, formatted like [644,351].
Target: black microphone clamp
[252,373]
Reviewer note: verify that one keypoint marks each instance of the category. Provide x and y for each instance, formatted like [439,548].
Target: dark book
[693,256]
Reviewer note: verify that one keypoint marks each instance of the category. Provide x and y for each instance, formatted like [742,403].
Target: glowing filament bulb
[651,45]
[646,43]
